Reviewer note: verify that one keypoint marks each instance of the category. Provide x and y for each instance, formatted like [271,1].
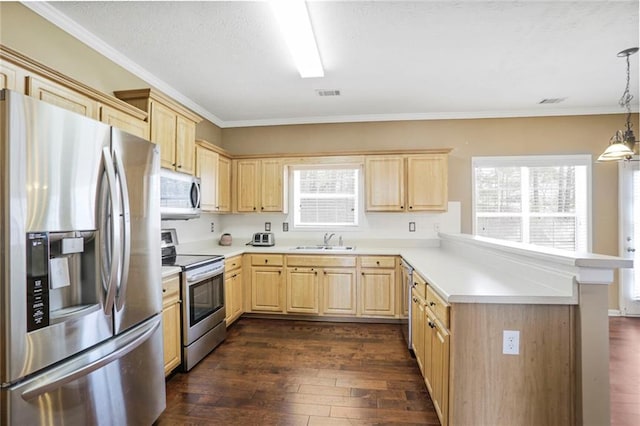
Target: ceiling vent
[551,100]
[322,92]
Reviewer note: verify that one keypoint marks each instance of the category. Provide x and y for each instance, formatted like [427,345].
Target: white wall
[385,226]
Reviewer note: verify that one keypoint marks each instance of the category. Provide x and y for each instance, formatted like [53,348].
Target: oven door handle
[205,275]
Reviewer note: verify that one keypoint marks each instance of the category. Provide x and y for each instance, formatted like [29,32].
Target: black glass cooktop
[189,260]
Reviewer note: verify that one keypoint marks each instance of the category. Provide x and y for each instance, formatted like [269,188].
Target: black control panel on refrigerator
[37,280]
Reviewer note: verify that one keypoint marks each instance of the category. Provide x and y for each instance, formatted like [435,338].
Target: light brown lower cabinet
[436,372]
[302,290]
[172,347]
[233,294]
[339,291]
[267,280]
[417,329]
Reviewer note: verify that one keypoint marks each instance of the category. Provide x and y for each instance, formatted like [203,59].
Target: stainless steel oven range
[202,293]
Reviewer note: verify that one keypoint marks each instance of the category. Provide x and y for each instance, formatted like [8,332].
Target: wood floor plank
[298,372]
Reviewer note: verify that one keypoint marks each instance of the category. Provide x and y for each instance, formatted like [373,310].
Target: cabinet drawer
[266,259]
[322,261]
[420,285]
[438,306]
[377,261]
[170,289]
[232,263]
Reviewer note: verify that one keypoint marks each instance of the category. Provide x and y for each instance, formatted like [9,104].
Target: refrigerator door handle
[126,240]
[114,232]
[69,372]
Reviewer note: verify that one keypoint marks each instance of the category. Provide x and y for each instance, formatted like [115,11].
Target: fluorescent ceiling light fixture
[293,18]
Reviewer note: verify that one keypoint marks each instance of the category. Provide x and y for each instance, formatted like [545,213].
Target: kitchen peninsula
[556,300]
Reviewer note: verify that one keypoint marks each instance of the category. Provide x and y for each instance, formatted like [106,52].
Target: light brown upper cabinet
[56,94]
[119,119]
[260,185]
[214,171]
[399,183]
[172,127]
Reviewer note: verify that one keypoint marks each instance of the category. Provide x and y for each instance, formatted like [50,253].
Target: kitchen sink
[322,247]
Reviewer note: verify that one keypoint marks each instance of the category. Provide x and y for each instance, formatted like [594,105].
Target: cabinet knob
[401,207]
[266,261]
[173,164]
[179,166]
[316,272]
[432,303]
[410,207]
[164,290]
[377,262]
[362,273]
[262,208]
[254,208]
[432,325]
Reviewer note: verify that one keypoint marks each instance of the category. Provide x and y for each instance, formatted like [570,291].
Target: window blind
[325,197]
[541,200]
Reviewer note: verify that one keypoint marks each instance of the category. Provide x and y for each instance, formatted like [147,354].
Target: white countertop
[465,269]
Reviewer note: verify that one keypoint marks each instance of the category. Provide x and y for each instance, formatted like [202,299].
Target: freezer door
[120,382]
[139,292]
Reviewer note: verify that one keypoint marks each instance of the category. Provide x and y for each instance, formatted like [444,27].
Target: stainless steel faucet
[327,238]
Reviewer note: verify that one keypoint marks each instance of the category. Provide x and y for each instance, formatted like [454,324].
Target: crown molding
[65,23]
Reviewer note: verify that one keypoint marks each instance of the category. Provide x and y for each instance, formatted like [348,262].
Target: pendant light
[623,145]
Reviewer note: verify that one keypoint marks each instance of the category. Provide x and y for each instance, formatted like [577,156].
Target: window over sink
[543,200]
[326,196]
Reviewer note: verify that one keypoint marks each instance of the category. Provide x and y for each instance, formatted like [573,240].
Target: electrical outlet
[412,227]
[285,226]
[213,228]
[267,226]
[511,342]
[436,227]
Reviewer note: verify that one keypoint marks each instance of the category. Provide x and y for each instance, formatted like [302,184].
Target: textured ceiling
[390,60]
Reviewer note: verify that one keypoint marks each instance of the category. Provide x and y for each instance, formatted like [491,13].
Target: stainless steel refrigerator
[80,283]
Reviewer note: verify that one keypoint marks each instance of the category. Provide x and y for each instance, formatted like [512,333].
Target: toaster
[264,239]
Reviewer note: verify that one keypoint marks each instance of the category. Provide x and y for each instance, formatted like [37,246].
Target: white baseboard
[615,313]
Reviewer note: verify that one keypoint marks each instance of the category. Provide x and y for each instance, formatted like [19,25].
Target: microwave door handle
[195,200]
[126,232]
[114,231]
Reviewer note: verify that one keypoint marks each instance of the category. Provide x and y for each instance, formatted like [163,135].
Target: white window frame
[535,161]
[293,206]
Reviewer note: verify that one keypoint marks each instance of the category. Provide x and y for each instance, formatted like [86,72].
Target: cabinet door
[427,177]
[12,77]
[266,289]
[417,330]
[233,296]
[237,308]
[377,290]
[185,145]
[339,291]
[247,185]
[163,133]
[271,185]
[302,290]
[384,179]
[224,184]
[171,336]
[440,371]
[56,94]
[123,121]
[207,171]
[428,320]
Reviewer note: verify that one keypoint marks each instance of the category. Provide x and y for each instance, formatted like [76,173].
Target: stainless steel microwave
[179,195]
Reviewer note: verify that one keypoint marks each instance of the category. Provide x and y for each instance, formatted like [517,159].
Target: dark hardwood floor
[624,370]
[313,373]
[300,372]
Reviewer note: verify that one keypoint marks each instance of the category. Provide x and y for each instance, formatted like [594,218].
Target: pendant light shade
[623,144]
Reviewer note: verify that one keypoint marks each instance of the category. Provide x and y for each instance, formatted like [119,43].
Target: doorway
[629,208]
